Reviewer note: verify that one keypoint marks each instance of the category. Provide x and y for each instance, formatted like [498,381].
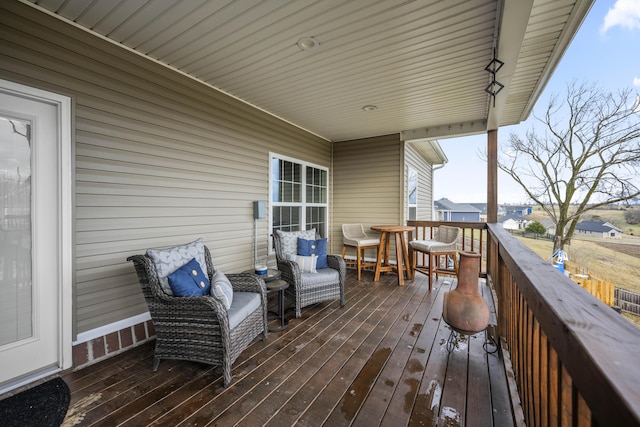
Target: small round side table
[272,274]
[278,286]
[274,284]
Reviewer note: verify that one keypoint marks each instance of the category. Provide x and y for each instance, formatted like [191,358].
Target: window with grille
[299,195]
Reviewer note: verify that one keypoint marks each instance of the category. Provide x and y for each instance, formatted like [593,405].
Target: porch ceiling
[420,62]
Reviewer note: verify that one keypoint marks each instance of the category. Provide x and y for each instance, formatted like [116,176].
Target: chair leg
[455,264]
[432,262]
[358,261]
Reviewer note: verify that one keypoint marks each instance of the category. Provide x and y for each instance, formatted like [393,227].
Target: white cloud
[625,13]
[636,81]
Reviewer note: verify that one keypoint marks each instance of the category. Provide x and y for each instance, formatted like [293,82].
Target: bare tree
[591,160]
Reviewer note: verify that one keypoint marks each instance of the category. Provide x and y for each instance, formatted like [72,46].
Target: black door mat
[44,405]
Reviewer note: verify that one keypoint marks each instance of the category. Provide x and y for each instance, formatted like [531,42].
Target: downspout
[433,203]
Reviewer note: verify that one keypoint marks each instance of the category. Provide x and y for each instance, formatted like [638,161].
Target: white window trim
[303,204]
[412,205]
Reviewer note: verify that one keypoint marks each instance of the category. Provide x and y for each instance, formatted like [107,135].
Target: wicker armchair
[311,288]
[197,328]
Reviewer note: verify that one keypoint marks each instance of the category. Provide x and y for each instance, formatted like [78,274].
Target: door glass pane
[15,231]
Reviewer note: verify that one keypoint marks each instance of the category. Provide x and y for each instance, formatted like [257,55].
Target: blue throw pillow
[189,281]
[314,247]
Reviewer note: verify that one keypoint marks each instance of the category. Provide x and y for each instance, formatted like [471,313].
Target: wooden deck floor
[380,360]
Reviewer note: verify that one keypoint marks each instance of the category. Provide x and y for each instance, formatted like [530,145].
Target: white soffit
[421,63]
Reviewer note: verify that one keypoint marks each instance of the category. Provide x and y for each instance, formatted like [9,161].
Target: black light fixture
[492,68]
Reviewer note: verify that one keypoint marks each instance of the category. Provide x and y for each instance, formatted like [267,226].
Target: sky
[605,51]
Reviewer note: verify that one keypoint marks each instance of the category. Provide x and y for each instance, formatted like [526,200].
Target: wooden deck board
[380,360]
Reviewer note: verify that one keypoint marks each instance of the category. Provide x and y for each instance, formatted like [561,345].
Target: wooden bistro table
[403,262]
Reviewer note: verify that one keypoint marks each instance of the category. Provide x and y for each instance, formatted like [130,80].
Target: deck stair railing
[573,358]
[570,359]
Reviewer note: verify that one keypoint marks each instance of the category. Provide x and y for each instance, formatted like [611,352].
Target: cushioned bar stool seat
[354,235]
[435,249]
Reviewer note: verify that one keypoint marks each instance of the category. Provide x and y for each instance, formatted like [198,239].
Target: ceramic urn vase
[465,310]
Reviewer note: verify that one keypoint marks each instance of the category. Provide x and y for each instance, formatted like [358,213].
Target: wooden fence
[627,301]
[601,289]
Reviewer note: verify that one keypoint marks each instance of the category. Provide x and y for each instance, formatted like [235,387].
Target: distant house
[482,207]
[550,226]
[599,229]
[446,210]
[519,210]
[513,222]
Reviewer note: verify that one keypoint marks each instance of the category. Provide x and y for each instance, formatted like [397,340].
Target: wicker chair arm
[245,282]
[148,277]
[337,263]
[290,272]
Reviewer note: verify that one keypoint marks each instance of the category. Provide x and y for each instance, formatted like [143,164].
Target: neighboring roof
[421,63]
[507,217]
[547,223]
[445,204]
[597,227]
[482,207]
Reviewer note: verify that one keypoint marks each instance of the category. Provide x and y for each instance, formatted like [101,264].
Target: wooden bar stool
[353,235]
[445,245]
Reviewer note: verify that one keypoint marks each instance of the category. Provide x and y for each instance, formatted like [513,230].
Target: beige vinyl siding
[425,182]
[159,158]
[367,184]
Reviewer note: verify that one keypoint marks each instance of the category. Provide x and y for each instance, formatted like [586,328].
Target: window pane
[286,184]
[16,290]
[412,186]
[316,218]
[316,185]
[286,218]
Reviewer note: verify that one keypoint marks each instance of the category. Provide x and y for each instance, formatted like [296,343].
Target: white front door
[35,234]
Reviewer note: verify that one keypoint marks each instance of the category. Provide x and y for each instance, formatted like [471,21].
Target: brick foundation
[100,348]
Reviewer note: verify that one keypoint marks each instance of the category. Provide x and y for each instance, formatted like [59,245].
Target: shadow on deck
[380,360]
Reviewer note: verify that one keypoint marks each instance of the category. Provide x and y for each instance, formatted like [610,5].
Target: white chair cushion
[307,264]
[364,241]
[221,289]
[427,245]
[323,276]
[244,303]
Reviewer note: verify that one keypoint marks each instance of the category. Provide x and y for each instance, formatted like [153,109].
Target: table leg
[383,238]
[283,322]
[410,256]
[386,247]
[400,258]
[407,261]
